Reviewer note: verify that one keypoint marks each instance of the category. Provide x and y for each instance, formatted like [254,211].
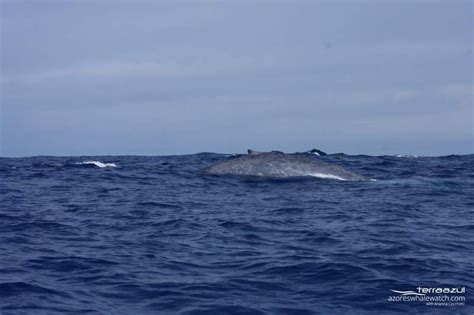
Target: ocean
[154,235]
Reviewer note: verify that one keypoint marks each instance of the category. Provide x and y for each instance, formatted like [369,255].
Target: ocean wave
[154,235]
[97,163]
[326,176]
[406,156]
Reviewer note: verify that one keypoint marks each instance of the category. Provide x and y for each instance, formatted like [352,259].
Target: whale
[277,164]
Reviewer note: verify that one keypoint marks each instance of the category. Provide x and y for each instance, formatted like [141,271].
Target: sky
[157,78]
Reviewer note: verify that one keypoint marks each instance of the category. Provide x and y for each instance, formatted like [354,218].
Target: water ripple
[155,235]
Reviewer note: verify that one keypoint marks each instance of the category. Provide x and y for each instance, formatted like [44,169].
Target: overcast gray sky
[130,77]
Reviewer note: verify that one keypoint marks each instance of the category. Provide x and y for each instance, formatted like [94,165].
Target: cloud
[282,61]
[221,77]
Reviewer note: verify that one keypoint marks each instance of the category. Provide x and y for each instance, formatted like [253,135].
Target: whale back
[280,165]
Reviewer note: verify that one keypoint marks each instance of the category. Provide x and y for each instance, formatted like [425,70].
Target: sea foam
[329,176]
[97,163]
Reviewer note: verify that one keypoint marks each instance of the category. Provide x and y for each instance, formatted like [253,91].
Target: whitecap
[330,176]
[406,156]
[98,164]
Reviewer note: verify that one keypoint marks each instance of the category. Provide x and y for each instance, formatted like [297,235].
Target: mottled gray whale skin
[280,165]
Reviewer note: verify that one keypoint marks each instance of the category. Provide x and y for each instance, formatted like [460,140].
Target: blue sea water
[153,235]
